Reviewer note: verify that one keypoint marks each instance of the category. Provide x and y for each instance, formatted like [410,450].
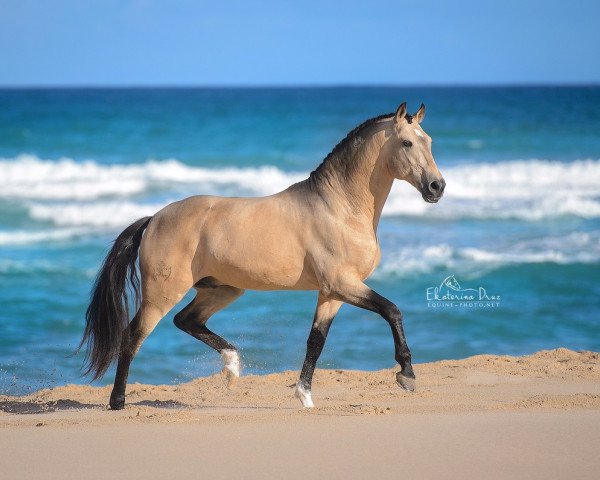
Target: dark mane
[348,141]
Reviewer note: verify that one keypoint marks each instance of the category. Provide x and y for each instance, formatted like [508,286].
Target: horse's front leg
[360,295]
[326,310]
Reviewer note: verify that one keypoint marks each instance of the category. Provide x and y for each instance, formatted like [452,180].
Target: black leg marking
[192,319]
[324,314]
[130,345]
[391,313]
[363,297]
[202,333]
[314,347]
[117,396]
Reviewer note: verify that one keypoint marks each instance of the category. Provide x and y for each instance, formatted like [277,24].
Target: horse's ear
[420,114]
[400,113]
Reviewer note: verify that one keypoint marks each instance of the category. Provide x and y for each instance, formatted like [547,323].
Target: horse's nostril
[434,185]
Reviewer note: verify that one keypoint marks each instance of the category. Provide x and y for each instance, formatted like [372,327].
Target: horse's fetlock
[405,358]
[117,401]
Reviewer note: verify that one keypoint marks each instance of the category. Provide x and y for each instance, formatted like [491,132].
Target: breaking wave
[67,193]
[28,177]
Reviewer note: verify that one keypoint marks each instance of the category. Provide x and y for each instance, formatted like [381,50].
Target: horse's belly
[256,281]
[263,261]
[262,273]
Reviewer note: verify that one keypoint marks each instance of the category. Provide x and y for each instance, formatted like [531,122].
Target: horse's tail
[107,316]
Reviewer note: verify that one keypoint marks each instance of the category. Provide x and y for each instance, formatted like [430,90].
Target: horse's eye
[407,143]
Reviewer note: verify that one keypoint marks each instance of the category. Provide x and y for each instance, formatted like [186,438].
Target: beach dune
[486,416]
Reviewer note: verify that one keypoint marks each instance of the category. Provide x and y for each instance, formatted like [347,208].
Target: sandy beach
[535,416]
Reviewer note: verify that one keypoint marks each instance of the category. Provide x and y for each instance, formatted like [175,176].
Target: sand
[487,416]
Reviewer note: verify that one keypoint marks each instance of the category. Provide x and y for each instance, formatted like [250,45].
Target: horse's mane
[347,142]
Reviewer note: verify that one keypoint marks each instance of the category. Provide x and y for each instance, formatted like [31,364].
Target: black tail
[108,313]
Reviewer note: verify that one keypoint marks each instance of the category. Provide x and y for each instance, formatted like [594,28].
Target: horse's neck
[360,179]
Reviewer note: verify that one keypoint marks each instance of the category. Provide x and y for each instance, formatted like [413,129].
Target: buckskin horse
[319,234]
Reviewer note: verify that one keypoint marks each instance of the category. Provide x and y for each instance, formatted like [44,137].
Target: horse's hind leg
[192,319]
[324,314]
[139,328]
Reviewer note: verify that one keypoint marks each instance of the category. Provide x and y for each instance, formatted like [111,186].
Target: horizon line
[274,86]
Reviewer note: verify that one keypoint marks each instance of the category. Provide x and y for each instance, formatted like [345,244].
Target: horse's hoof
[231,368]
[117,403]
[407,383]
[304,395]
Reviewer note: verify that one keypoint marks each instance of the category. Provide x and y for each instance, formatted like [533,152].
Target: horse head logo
[450,282]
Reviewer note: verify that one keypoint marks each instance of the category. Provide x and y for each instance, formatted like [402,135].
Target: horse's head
[410,155]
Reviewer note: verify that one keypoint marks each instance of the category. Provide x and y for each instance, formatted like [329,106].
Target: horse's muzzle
[433,189]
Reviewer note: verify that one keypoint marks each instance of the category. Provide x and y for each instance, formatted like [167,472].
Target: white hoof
[231,366]
[304,396]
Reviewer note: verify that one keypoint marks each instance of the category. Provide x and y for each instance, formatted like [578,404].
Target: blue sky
[177,42]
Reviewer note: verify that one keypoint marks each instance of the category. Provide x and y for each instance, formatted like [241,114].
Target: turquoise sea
[520,219]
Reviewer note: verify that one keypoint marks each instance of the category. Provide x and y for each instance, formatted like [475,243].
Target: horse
[319,234]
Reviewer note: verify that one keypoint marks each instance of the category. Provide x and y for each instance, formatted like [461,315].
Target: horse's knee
[393,314]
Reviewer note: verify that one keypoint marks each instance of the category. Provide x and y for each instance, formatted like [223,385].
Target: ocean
[519,222]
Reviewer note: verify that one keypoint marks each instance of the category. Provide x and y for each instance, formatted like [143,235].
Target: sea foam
[23,237]
[28,177]
[70,193]
[575,248]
